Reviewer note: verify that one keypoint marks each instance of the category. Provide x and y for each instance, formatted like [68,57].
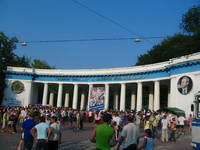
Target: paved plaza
[79,140]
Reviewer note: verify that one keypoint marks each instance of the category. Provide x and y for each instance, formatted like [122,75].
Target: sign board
[97,98]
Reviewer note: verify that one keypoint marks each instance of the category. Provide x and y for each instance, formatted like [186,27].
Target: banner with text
[96,100]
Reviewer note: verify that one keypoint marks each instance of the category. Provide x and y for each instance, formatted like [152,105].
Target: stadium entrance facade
[172,83]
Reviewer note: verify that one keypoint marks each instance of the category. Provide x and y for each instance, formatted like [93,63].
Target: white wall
[184,101]
[12,99]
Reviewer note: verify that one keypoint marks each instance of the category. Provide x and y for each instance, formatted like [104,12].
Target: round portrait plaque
[184,85]
[17,87]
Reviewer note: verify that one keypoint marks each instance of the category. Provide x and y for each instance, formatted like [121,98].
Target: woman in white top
[54,134]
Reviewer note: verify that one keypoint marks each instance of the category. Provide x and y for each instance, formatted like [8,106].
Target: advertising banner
[97,97]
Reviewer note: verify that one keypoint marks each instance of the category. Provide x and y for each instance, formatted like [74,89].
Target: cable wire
[136,39]
[104,17]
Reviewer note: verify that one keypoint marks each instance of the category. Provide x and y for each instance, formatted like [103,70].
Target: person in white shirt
[181,124]
[137,120]
[22,116]
[40,132]
[165,123]
[63,116]
[116,121]
[54,134]
[90,116]
[129,136]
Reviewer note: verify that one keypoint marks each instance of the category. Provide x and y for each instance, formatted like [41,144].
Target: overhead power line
[104,17]
[24,43]
[135,39]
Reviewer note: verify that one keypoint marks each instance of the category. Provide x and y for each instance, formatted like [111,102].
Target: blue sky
[33,20]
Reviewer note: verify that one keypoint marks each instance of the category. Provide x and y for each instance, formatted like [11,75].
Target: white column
[51,97]
[29,93]
[133,99]
[106,107]
[45,94]
[123,97]
[66,99]
[82,106]
[116,100]
[139,96]
[151,103]
[89,93]
[169,98]
[59,98]
[156,95]
[75,97]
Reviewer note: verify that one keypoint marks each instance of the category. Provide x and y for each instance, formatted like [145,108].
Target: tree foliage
[21,62]
[191,20]
[9,58]
[40,64]
[171,47]
[7,46]
[179,44]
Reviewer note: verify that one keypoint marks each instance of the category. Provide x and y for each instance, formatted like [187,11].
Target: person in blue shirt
[26,128]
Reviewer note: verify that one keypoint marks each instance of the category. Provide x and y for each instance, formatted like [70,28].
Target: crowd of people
[122,129]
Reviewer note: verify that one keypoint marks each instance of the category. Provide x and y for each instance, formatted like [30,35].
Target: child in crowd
[148,143]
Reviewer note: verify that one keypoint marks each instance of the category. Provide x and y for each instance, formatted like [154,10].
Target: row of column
[59,97]
[136,101]
[154,97]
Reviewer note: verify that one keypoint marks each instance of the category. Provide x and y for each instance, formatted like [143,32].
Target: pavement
[182,143]
[73,139]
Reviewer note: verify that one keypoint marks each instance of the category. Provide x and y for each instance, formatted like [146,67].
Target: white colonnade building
[168,84]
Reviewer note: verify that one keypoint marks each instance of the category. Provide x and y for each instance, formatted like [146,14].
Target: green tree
[171,47]
[40,64]
[7,46]
[179,44]
[7,55]
[22,61]
[9,58]
[191,20]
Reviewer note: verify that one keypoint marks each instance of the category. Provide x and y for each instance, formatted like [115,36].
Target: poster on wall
[12,102]
[184,85]
[97,97]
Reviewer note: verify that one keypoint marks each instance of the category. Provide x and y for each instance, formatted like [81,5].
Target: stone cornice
[163,66]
